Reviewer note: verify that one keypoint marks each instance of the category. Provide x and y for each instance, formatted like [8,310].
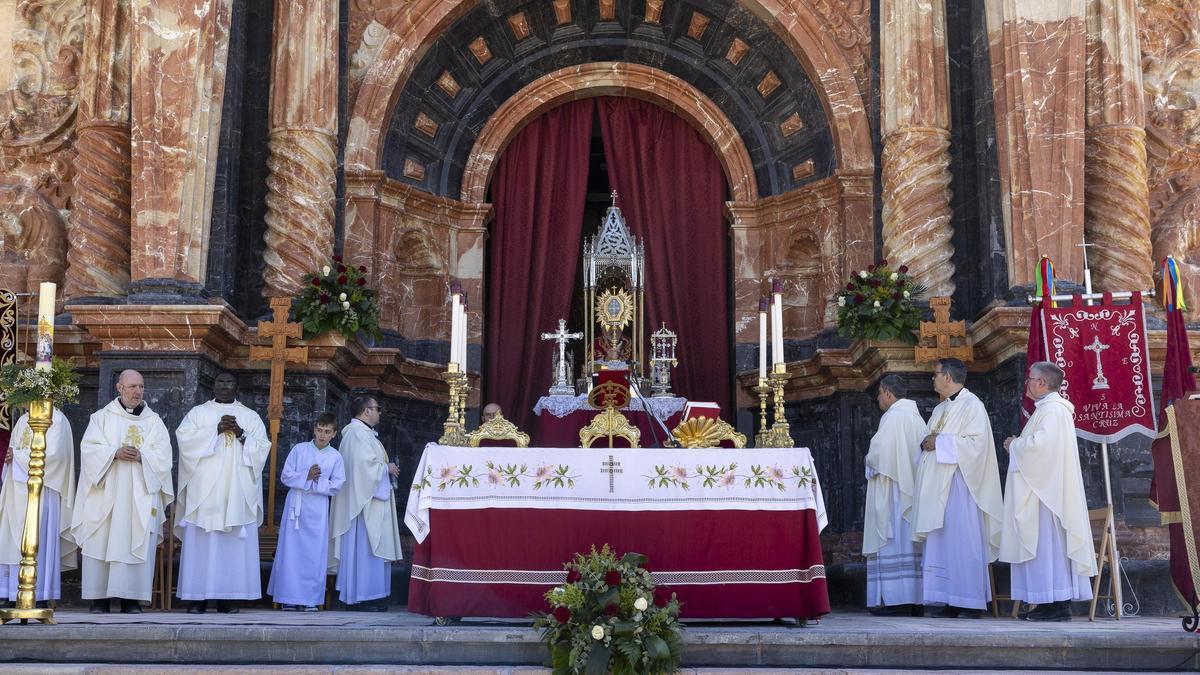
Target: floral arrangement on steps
[337,299]
[609,618]
[22,383]
[877,304]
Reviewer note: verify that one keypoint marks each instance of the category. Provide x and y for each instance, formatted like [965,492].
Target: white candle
[455,328]
[45,331]
[777,317]
[762,339]
[464,322]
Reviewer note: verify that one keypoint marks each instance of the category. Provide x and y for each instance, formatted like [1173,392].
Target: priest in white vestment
[223,446]
[893,560]
[313,473]
[56,550]
[1047,537]
[364,522]
[958,508]
[120,506]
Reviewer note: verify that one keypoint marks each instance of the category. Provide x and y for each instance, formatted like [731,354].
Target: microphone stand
[650,411]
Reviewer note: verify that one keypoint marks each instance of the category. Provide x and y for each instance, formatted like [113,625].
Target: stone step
[842,640]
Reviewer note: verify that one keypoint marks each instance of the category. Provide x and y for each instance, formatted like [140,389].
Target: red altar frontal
[733,534]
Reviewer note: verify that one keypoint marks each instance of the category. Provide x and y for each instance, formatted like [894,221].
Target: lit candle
[45,331]
[762,338]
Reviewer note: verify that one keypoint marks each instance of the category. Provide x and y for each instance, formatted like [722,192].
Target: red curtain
[672,193]
[538,193]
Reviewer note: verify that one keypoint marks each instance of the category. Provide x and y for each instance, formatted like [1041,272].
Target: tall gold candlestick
[39,422]
[760,439]
[780,435]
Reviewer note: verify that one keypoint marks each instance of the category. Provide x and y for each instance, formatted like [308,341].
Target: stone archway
[610,79]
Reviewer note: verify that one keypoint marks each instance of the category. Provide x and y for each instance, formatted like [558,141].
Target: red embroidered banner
[1104,353]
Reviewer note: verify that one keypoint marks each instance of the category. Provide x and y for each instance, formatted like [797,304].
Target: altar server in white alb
[314,473]
[958,509]
[365,527]
[893,560]
[223,446]
[56,551]
[1047,536]
[124,489]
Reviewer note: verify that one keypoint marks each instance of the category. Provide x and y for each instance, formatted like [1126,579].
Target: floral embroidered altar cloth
[734,533]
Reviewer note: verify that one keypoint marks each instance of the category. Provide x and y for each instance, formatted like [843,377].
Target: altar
[735,534]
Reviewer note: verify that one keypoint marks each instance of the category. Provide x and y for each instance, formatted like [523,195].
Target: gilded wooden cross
[611,467]
[943,331]
[278,354]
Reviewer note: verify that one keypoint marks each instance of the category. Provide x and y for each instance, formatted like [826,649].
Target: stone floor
[408,643]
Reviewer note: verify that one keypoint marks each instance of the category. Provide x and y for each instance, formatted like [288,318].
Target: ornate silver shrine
[662,360]
[614,271]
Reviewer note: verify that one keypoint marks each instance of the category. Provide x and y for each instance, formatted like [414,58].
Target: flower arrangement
[22,383]
[609,618]
[337,298]
[877,304]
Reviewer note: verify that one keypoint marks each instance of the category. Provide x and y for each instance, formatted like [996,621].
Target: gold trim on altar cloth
[701,432]
[498,429]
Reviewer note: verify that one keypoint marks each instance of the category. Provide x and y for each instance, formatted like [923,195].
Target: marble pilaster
[179,51]
[1038,53]
[98,231]
[1117,196]
[916,141]
[303,143]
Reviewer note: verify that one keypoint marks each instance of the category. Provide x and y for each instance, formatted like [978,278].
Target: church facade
[171,165]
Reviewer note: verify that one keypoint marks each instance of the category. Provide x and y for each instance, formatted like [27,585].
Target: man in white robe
[120,506]
[958,509]
[56,549]
[365,526]
[1047,537]
[893,561]
[314,473]
[223,446]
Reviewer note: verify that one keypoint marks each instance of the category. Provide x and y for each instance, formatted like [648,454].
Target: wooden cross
[278,354]
[611,468]
[942,330]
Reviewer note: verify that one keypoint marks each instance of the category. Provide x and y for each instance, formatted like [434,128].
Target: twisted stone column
[916,142]
[1116,187]
[303,143]
[98,232]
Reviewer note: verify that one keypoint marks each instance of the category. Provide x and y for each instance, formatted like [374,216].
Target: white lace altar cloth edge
[618,479]
[561,406]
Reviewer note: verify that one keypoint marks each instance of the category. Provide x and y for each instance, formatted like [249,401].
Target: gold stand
[760,439]
[780,435]
[454,430]
[39,422]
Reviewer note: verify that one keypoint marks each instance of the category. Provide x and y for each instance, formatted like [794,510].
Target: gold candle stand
[39,423]
[780,435]
[454,430]
[760,439]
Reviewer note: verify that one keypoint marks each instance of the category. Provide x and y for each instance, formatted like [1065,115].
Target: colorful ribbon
[1043,280]
[1172,290]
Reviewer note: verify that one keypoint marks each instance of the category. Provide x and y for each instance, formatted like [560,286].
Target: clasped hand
[394,470]
[228,424]
[930,443]
[128,453]
[314,472]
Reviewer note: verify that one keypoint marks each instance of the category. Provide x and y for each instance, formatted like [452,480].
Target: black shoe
[1054,611]
[948,612]
[892,610]
[228,607]
[5,603]
[99,606]
[970,613]
[369,606]
[198,607]
[41,604]
[917,611]
[131,607]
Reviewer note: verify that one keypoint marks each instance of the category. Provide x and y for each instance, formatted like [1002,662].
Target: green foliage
[877,304]
[336,298]
[639,634]
[22,383]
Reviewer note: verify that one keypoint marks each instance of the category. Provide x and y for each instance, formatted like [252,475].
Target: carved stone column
[98,230]
[303,143]
[916,141]
[1117,195]
[179,54]
[1037,50]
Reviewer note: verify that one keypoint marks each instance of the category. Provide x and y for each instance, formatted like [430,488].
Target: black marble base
[166,292]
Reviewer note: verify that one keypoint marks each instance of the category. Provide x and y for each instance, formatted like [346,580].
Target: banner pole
[1114,581]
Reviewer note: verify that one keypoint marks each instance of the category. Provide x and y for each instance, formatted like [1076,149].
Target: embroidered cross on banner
[611,468]
[1100,382]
